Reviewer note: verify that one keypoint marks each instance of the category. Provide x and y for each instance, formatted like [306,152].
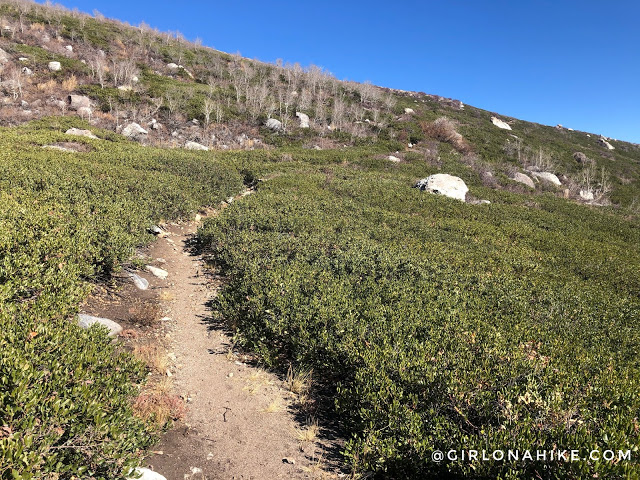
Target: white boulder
[27,71]
[304,119]
[86,321]
[500,123]
[78,101]
[68,48]
[604,143]
[586,195]
[547,177]
[172,66]
[273,124]
[80,133]
[409,111]
[195,146]
[133,130]
[525,179]
[55,66]
[393,158]
[444,184]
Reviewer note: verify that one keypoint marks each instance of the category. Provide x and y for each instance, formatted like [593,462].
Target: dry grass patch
[144,312]
[309,434]
[153,356]
[158,406]
[298,383]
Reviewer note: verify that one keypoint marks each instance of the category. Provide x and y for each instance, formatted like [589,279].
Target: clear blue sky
[564,61]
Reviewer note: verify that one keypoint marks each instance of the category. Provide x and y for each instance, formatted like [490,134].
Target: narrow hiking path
[240,422]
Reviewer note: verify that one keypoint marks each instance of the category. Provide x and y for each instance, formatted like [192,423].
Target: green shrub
[440,324]
[66,218]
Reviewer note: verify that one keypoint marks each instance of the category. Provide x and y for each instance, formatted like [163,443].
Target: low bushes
[441,325]
[65,393]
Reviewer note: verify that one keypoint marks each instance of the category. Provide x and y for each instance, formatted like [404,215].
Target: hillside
[505,321]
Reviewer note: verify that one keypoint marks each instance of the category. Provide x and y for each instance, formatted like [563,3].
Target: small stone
[289,460]
[394,159]
[55,66]
[230,375]
[198,217]
[158,272]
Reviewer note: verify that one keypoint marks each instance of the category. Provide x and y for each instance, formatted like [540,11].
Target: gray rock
[133,130]
[195,146]
[80,133]
[27,71]
[392,158]
[68,48]
[444,184]
[86,321]
[547,177]
[304,119]
[55,66]
[273,124]
[500,123]
[145,474]
[525,179]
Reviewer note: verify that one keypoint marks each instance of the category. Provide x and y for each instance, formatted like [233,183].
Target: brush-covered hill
[428,323]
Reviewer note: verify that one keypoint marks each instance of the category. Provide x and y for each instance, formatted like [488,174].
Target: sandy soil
[241,422]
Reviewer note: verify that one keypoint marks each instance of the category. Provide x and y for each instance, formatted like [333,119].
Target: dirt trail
[240,423]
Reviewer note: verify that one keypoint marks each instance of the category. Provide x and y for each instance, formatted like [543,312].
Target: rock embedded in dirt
[500,123]
[55,66]
[525,179]
[158,272]
[444,184]
[86,321]
[409,111]
[391,158]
